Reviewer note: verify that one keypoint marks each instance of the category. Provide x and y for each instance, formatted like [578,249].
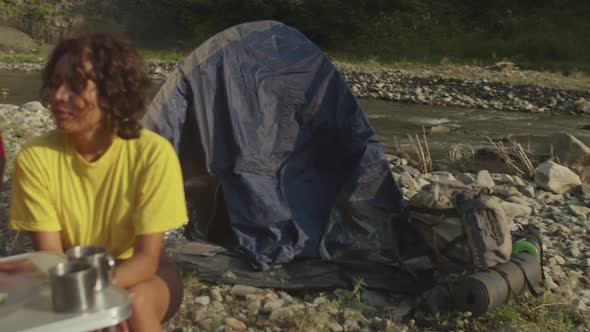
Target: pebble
[243,290]
[235,324]
[202,300]
[335,327]
[215,294]
[272,305]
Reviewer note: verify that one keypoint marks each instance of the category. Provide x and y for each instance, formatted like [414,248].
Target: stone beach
[555,200]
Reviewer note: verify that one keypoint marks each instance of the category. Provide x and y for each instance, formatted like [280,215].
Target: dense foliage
[526,31]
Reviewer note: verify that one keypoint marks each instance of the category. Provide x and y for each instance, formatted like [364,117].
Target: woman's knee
[150,298]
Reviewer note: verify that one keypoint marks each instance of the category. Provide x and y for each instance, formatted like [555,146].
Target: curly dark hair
[117,71]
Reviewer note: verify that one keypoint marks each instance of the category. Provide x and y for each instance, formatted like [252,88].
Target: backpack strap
[529,285]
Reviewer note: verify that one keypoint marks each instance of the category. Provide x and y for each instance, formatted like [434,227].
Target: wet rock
[243,290]
[234,324]
[484,179]
[556,178]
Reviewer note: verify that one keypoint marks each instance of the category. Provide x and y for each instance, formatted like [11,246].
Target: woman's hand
[143,264]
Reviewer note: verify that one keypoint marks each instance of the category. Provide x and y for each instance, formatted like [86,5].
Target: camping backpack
[465,228]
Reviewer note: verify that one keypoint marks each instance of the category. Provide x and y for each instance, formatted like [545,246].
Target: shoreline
[501,87]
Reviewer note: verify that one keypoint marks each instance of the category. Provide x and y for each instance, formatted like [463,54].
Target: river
[395,121]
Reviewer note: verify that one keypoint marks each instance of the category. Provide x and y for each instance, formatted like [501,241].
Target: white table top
[113,305]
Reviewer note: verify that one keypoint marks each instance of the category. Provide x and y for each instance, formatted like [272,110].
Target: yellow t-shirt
[134,188]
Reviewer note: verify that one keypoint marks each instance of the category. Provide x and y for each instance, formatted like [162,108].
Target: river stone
[254,307]
[440,129]
[442,175]
[286,297]
[235,324]
[15,40]
[272,305]
[582,106]
[422,183]
[513,210]
[466,178]
[334,327]
[407,181]
[527,190]
[215,294]
[503,179]
[282,314]
[568,149]
[556,178]
[33,107]
[202,300]
[518,180]
[518,200]
[579,211]
[408,193]
[351,325]
[484,179]
[375,299]
[243,290]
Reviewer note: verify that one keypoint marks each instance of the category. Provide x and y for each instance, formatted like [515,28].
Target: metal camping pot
[72,286]
[99,259]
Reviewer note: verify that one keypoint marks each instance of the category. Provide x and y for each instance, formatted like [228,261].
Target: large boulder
[556,178]
[567,149]
[15,40]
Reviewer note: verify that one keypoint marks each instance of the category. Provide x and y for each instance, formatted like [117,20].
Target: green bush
[541,31]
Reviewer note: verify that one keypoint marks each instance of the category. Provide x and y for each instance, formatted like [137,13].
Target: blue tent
[278,158]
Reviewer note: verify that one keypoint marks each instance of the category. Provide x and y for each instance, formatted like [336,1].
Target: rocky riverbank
[501,87]
[555,201]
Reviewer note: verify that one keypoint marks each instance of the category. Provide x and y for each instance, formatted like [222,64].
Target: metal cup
[72,286]
[99,259]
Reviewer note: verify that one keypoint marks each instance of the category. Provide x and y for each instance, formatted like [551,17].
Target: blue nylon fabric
[269,117]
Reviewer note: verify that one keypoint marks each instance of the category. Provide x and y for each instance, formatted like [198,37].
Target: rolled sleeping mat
[482,292]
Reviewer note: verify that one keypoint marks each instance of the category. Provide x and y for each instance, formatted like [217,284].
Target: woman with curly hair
[99,178]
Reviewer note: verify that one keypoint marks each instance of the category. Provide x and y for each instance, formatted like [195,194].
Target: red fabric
[1,148]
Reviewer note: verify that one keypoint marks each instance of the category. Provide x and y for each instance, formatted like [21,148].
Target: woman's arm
[47,241]
[143,264]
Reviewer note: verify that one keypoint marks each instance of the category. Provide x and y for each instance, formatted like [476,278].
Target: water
[394,121]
